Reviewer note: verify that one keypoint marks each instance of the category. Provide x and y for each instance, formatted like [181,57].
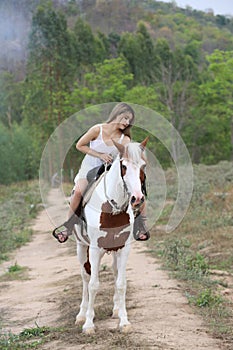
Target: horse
[109,216]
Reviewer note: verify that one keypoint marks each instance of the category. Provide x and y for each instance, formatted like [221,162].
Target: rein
[116,208]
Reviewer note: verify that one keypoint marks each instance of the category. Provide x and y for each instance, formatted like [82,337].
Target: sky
[220,7]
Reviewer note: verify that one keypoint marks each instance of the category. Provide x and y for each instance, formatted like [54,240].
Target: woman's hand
[106,158]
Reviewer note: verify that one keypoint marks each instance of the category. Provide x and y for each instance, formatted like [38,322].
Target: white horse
[109,217]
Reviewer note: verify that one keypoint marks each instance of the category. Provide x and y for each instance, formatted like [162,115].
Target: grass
[66,334]
[29,338]
[15,272]
[203,242]
[19,203]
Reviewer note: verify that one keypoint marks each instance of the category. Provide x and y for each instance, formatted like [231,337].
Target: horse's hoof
[89,331]
[80,320]
[126,328]
[115,313]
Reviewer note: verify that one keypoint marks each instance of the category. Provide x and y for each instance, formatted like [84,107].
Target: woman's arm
[90,135]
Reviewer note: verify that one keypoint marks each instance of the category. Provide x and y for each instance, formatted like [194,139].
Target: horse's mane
[134,152]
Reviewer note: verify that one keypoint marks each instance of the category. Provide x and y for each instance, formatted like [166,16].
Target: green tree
[50,67]
[138,49]
[50,44]
[145,96]
[85,45]
[175,81]
[216,96]
[18,160]
[129,48]
[88,47]
[11,99]
[51,72]
[106,82]
[146,54]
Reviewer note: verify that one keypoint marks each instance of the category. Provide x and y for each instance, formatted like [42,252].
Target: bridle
[115,207]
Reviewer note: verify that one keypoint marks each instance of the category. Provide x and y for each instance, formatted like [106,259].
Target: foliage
[184,261]
[29,338]
[199,252]
[150,53]
[106,82]
[15,272]
[207,298]
[89,48]
[138,49]
[19,203]
[11,99]
[217,92]
[18,161]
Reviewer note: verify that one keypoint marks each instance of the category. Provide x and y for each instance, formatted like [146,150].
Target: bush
[18,159]
[16,213]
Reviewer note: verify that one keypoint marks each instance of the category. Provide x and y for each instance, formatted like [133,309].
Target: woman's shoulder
[104,126]
[96,127]
[95,130]
[126,140]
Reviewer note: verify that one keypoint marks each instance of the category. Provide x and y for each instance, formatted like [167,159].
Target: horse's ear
[119,146]
[143,143]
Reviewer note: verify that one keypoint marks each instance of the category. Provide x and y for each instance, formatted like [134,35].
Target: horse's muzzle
[136,202]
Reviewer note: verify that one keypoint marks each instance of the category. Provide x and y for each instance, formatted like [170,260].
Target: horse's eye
[124,167]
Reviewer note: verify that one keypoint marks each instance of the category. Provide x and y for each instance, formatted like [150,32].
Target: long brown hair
[121,108]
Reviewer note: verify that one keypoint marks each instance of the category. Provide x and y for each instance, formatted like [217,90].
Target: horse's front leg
[82,252]
[121,283]
[115,297]
[95,257]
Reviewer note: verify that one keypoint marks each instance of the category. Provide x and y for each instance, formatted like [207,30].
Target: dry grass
[19,203]
[105,337]
[66,334]
[200,250]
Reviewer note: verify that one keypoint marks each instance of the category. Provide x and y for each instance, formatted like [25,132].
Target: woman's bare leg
[79,189]
[62,232]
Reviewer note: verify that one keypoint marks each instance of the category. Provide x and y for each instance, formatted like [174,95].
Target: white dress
[90,162]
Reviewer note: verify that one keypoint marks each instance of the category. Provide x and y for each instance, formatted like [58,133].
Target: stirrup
[140,228]
[62,233]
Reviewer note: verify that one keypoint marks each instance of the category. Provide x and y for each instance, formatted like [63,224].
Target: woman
[97,144]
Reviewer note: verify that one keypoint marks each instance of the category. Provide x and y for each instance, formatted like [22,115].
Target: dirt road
[50,295]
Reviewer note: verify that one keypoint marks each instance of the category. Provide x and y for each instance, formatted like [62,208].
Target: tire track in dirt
[160,315]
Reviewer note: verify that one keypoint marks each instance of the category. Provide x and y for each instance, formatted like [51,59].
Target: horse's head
[133,164]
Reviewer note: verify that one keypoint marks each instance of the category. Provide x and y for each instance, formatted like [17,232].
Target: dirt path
[160,315]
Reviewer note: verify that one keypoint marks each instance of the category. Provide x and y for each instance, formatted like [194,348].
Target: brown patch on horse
[142,175]
[113,225]
[87,265]
[123,169]
[111,242]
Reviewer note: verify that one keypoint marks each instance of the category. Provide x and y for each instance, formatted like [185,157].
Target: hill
[60,57]
[163,20]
